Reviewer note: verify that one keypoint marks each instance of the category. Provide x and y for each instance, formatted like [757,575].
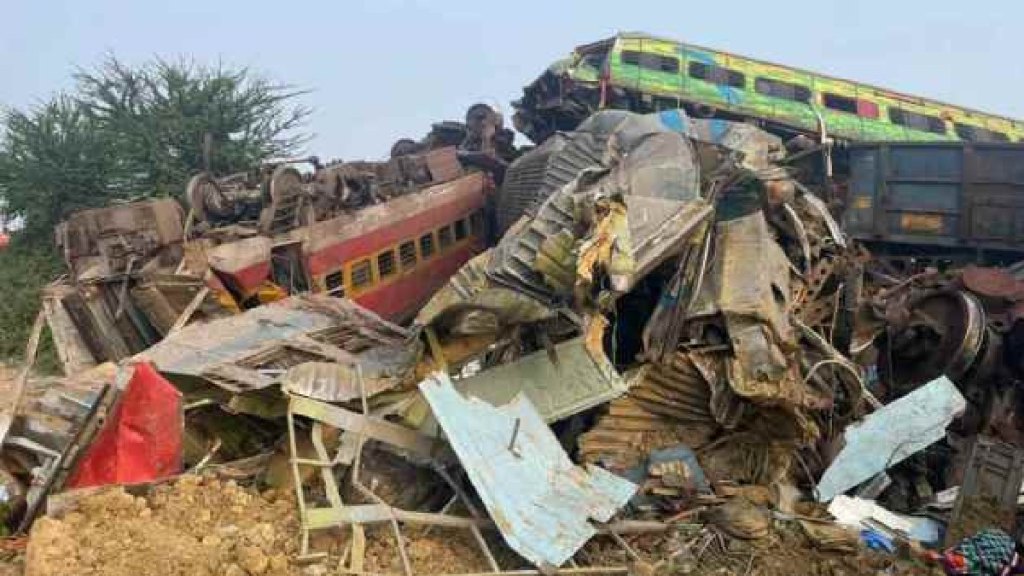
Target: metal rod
[297,478]
[460,494]
[512,441]
[625,546]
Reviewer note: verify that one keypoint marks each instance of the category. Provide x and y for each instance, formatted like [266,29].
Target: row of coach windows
[716,74]
[916,121]
[797,93]
[391,262]
[784,90]
[651,61]
[975,134]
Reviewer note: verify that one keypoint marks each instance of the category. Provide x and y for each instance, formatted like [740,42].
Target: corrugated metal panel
[539,500]
[250,350]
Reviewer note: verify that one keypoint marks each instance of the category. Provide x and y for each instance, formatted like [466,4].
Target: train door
[288,269]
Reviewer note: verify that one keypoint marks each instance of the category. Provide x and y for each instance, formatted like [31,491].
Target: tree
[53,159]
[129,132]
[170,120]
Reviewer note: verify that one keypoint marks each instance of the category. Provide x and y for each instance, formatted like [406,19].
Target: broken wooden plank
[7,416]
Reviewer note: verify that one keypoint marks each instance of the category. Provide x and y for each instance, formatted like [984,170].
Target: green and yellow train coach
[643,73]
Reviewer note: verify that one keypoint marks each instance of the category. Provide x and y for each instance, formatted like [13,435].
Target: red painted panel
[399,299]
[867,109]
[249,279]
[141,440]
[330,258]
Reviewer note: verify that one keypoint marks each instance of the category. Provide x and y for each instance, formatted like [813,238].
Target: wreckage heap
[675,345]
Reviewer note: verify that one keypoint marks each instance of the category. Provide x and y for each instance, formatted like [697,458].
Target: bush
[25,268]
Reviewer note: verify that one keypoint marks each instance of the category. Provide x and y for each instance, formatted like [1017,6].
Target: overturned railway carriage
[385,235]
[389,257]
[642,73]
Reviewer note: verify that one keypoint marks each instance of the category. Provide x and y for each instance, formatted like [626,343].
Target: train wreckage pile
[674,361]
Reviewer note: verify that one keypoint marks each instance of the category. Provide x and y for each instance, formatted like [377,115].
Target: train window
[362,275]
[334,284]
[716,74]
[461,229]
[386,263]
[427,245]
[660,63]
[917,121]
[841,103]
[407,254]
[976,134]
[444,237]
[784,90]
[651,61]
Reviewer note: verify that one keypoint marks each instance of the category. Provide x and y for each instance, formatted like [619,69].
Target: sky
[382,70]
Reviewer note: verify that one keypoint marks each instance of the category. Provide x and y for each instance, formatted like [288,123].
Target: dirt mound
[207,527]
[196,526]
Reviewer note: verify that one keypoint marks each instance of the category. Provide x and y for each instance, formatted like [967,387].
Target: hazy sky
[386,69]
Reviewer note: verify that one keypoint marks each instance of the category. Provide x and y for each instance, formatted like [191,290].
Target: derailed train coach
[384,234]
[644,73]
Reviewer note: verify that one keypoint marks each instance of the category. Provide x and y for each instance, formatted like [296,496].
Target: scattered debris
[988,497]
[890,435]
[645,345]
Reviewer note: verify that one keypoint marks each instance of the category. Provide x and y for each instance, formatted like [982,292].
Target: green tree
[130,132]
[169,120]
[53,159]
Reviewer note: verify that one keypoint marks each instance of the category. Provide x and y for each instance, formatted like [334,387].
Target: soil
[210,527]
[437,551]
[7,376]
[199,526]
[207,527]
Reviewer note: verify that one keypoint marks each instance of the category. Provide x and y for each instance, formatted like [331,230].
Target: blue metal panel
[926,162]
[892,434]
[924,197]
[538,499]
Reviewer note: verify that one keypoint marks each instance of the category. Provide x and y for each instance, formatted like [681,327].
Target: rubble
[890,435]
[671,358]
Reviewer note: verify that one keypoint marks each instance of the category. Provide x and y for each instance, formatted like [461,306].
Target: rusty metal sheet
[252,350]
[748,285]
[540,501]
[382,369]
[749,276]
[443,164]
